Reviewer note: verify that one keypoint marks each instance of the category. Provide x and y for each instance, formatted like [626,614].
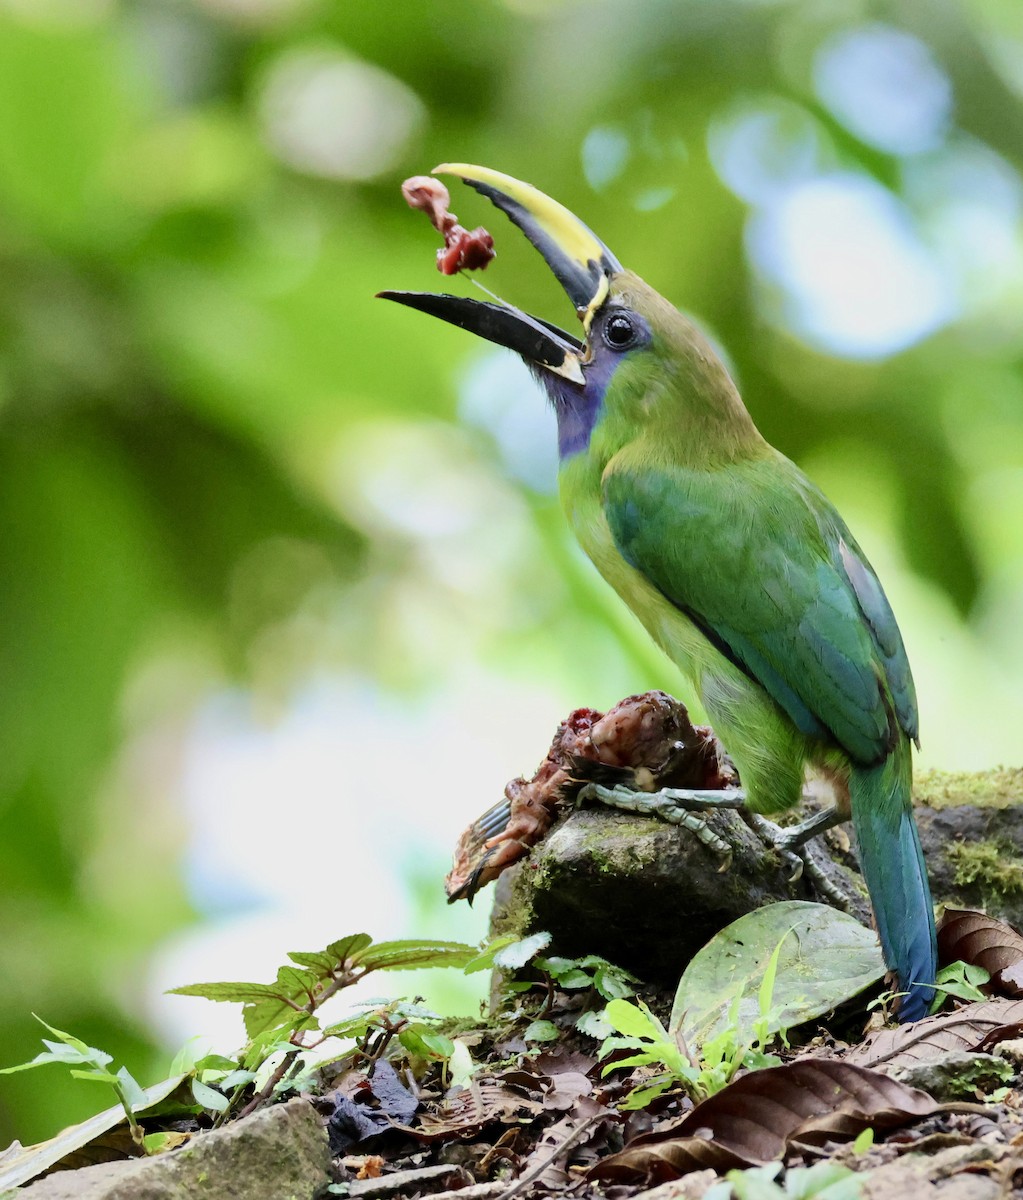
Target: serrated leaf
[228,993]
[594,1024]
[826,958]
[208,1097]
[484,960]
[335,955]
[275,1016]
[411,955]
[517,954]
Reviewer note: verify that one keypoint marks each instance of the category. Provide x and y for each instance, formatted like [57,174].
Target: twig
[538,1170]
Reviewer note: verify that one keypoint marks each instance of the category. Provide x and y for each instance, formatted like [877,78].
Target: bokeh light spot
[328,114]
[856,279]
[885,86]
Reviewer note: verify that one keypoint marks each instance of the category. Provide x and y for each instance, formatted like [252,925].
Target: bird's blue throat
[578,407]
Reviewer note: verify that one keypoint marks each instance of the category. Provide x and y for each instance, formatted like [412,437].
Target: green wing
[759,560]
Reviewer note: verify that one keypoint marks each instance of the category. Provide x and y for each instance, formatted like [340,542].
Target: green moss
[987,864]
[1001,787]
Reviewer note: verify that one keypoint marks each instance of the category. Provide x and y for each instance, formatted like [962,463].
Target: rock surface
[647,895]
[280,1153]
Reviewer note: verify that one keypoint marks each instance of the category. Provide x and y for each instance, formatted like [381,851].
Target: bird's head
[640,362]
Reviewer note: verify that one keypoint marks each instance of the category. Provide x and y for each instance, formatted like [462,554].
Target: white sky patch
[855,276]
[331,820]
[885,86]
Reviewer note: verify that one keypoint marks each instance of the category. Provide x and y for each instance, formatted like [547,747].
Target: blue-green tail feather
[893,867]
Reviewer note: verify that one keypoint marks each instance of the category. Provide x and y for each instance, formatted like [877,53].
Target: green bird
[738,566]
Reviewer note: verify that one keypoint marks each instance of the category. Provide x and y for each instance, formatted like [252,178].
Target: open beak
[580,261]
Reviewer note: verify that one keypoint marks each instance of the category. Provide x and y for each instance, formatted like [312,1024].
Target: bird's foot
[676,806]
[792,846]
[793,837]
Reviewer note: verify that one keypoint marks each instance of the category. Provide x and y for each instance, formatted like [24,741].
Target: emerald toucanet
[738,566]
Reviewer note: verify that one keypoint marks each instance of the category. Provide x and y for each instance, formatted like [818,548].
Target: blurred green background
[285,593]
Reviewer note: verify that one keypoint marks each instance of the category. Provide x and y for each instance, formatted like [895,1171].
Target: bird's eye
[620,331]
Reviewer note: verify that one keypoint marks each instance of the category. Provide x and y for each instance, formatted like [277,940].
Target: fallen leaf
[754,1120]
[974,937]
[476,1106]
[968,1028]
[563,1089]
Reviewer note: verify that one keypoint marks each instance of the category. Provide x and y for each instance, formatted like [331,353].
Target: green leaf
[275,1017]
[208,1098]
[517,954]
[191,1056]
[229,993]
[484,960]
[863,1141]
[131,1090]
[633,1021]
[213,1063]
[425,1042]
[566,972]
[540,1031]
[107,1077]
[460,1064]
[236,1079]
[641,1096]
[87,1052]
[826,957]
[335,955]
[413,955]
[351,1027]
[594,1024]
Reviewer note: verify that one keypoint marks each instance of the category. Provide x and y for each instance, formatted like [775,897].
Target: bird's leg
[793,837]
[681,806]
[790,843]
[676,806]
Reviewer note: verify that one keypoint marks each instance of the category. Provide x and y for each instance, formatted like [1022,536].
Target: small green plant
[591,972]
[822,1181]
[282,1022]
[88,1062]
[962,980]
[699,1070]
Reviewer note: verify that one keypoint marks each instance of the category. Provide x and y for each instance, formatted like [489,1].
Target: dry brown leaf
[476,1106]
[925,1041]
[754,1119]
[974,937]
